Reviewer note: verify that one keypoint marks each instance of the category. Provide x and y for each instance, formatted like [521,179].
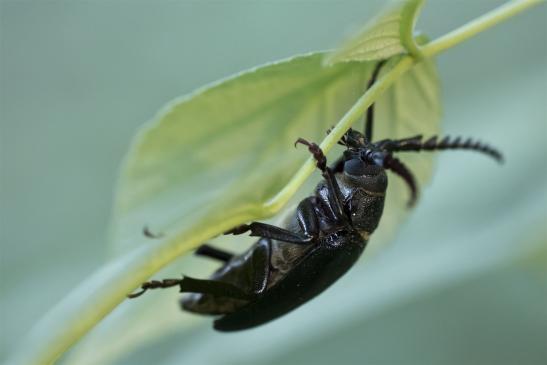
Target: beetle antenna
[415,144]
[369,119]
[395,165]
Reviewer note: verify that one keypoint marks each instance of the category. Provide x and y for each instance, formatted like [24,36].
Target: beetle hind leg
[213,287]
[155,284]
[191,285]
[249,273]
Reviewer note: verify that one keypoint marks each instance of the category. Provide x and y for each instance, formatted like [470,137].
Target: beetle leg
[338,165]
[214,253]
[261,266]
[264,230]
[335,197]
[213,287]
[155,284]
[307,217]
[191,285]
[369,119]
[316,151]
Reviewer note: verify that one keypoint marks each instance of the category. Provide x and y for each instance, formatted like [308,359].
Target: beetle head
[367,162]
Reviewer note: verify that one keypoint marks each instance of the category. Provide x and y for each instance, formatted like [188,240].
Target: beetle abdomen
[325,263]
[248,271]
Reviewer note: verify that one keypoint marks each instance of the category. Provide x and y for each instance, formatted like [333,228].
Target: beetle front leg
[307,218]
[338,165]
[315,150]
[335,197]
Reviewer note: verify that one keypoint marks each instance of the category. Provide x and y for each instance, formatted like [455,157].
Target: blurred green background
[464,282]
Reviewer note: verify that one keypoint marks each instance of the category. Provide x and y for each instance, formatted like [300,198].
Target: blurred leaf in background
[465,281]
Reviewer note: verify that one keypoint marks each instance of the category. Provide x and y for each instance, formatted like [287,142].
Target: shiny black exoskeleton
[326,235]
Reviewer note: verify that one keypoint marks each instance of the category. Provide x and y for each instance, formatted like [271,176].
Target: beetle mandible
[322,240]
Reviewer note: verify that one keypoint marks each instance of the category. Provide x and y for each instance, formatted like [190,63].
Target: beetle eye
[378,158]
[373,157]
[355,167]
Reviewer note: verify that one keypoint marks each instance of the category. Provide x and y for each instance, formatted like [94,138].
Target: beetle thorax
[364,198]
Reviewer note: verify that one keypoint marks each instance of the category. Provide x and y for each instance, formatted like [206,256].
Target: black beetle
[324,238]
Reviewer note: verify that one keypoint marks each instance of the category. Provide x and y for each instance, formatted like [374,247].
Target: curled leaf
[388,34]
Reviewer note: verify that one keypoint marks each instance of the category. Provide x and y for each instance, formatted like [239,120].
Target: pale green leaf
[390,33]
[104,290]
[215,159]
[208,162]
[411,106]
[222,152]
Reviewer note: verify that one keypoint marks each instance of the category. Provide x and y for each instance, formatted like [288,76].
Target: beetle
[319,243]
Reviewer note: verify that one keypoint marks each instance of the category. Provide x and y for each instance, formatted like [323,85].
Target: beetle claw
[316,152]
[137,294]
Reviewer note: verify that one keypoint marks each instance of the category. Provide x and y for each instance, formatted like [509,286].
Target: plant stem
[431,49]
[477,26]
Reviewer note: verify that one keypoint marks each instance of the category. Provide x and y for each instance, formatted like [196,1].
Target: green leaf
[389,34]
[207,163]
[220,154]
[218,158]
[411,106]
[85,307]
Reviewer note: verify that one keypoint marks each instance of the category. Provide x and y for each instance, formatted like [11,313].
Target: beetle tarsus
[137,294]
[316,152]
[155,284]
[191,285]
